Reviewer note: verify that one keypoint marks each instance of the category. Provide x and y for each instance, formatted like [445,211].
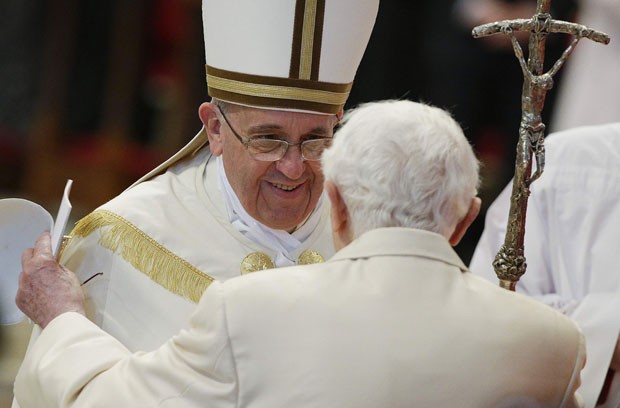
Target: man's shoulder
[518,309]
[584,145]
[177,184]
[583,135]
[296,276]
[298,284]
[522,325]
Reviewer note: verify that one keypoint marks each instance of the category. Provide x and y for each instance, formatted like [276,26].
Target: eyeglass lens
[273,150]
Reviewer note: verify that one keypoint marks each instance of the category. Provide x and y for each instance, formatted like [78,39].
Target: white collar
[280,241]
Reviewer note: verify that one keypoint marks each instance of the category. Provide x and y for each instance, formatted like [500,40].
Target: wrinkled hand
[47,289]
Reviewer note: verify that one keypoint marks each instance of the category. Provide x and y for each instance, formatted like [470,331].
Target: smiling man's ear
[208,115]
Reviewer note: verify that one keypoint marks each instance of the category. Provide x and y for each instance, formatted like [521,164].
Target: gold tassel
[145,254]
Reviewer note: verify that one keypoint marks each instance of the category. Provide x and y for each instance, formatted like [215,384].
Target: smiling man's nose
[292,165]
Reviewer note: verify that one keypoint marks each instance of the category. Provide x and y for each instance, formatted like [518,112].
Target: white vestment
[392,320]
[571,242]
[159,245]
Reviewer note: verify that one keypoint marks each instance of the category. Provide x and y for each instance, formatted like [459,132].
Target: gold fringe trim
[145,254]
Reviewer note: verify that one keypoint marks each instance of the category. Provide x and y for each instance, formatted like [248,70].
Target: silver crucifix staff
[509,263]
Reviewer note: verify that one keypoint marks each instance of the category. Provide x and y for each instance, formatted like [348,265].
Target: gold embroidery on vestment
[310,256]
[259,261]
[256,261]
[145,254]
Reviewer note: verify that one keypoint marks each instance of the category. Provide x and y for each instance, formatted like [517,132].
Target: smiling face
[279,194]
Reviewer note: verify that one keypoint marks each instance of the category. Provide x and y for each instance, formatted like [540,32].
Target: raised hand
[47,289]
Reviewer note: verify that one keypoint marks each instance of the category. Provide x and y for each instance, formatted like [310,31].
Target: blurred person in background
[588,94]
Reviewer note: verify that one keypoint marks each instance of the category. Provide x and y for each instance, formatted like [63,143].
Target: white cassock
[162,242]
[392,320]
[571,242]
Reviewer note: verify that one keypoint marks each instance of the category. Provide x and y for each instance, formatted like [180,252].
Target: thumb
[43,245]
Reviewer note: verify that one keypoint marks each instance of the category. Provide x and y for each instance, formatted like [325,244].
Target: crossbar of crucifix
[509,263]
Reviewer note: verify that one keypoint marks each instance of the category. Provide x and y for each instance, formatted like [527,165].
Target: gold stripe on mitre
[307,39]
[145,254]
[273,92]
[305,65]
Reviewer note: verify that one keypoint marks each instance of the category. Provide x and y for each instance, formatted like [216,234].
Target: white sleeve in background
[492,239]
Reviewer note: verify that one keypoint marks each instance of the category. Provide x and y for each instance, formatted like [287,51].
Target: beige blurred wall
[13,343]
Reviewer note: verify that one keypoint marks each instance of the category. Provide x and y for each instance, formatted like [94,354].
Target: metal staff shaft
[509,263]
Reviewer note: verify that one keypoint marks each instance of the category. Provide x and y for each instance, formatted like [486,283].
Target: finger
[23,282]
[43,244]
[27,255]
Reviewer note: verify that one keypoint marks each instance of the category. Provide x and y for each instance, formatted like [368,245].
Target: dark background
[101,92]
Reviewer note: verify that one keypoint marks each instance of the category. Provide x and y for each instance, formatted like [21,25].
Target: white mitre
[21,222]
[295,55]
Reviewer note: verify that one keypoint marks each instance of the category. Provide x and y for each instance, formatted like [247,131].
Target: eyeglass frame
[246,142]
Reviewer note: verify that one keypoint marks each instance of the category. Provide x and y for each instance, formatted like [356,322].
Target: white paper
[21,222]
[61,219]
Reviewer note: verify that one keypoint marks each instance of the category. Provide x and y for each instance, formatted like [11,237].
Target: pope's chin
[284,210]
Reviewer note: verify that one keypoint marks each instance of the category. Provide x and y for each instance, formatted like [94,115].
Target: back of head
[402,164]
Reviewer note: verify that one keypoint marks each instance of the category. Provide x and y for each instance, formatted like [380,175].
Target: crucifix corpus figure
[509,263]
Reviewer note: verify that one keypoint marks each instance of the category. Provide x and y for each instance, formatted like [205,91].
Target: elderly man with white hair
[393,319]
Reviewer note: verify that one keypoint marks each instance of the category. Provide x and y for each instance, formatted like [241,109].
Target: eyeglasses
[264,149]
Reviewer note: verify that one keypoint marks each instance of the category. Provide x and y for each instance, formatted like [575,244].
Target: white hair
[402,164]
